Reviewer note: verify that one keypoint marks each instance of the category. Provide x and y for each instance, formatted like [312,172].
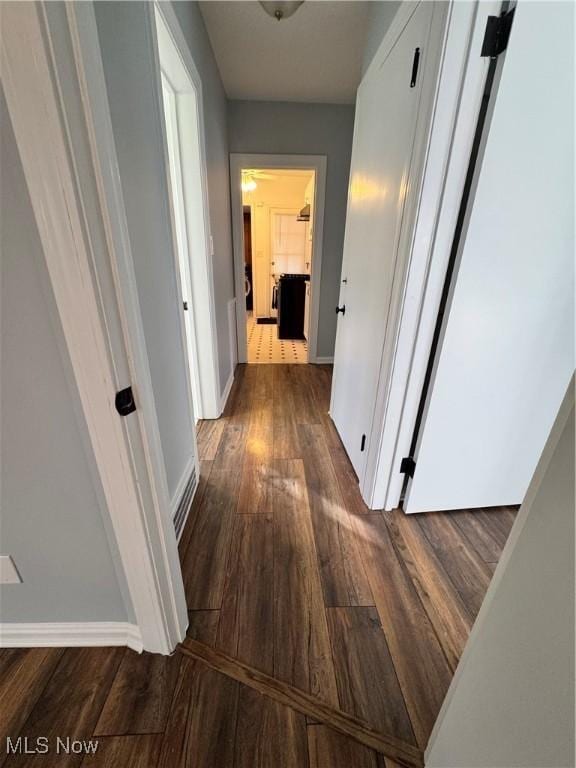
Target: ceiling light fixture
[280,10]
[248,183]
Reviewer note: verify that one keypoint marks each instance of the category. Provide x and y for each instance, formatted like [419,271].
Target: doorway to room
[278,218]
[278,207]
[181,91]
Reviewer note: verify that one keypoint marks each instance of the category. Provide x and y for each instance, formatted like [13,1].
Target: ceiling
[279,183]
[313,56]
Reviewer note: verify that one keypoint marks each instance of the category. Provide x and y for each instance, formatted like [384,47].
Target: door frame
[317,163]
[180,237]
[56,94]
[186,83]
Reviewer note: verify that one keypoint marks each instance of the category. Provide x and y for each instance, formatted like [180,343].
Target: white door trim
[56,96]
[315,163]
[193,157]
[181,249]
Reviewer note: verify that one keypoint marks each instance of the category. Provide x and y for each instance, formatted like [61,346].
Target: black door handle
[341,309]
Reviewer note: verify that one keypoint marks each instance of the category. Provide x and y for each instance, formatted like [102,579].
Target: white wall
[53,516]
[511,702]
[306,129]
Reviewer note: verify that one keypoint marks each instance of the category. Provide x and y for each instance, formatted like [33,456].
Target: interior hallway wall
[53,512]
[306,129]
[125,33]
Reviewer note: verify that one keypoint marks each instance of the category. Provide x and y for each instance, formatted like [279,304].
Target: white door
[170,115]
[288,242]
[386,113]
[287,246]
[261,268]
[507,352]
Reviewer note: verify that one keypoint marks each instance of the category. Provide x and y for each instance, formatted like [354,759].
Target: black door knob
[341,309]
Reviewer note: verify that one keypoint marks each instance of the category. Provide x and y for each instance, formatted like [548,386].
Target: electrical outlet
[8,571]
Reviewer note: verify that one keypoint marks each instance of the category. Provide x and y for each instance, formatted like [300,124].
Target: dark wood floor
[286,570]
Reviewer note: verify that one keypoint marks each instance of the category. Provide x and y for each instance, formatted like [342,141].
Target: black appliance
[248,286]
[291,300]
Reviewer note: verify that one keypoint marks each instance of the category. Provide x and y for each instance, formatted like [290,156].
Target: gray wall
[512,700]
[128,54]
[214,102]
[313,129]
[49,494]
[380,17]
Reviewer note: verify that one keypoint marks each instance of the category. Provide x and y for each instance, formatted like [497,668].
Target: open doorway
[278,211]
[185,159]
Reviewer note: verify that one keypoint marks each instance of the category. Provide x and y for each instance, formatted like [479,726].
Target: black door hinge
[415,62]
[407,466]
[497,34]
[363,443]
[125,401]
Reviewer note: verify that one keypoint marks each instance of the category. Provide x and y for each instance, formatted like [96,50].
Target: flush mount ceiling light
[249,176]
[281,10]
[248,184]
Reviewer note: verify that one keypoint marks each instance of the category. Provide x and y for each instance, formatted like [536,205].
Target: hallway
[287,571]
[369,612]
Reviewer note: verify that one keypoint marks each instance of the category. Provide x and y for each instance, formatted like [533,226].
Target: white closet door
[386,115]
[508,349]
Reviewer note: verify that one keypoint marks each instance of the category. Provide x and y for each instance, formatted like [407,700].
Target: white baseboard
[181,487]
[70,634]
[323,360]
[225,394]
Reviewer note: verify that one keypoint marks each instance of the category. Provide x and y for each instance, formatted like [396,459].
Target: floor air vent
[184,505]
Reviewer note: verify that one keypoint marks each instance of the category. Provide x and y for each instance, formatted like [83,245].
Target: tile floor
[264,346]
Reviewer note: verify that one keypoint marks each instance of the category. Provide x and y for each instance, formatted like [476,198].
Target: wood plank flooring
[367,611]
[287,574]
